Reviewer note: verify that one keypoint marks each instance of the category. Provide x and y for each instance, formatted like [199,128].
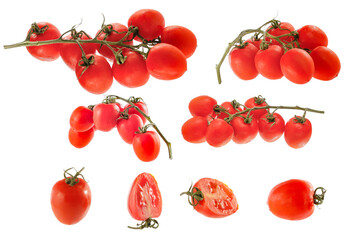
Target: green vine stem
[148,223]
[319,198]
[70,179]
[194,195]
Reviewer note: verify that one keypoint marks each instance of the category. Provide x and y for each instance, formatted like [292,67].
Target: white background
[37,99]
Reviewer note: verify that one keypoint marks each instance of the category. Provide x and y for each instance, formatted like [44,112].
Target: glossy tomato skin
[292,200]
[81,119]
[219,133]
[255,42]
[297,134]
[271,131]
[166,62]
[150,23]
[297,66]
[256,102]
[219,200]
[133,72]
[142,106]
[244,132]
[146,146]
[97,78]
[70,204]
[194,129]
[128,127]
[229,107]
[286,29]
[180,37]
[46,52]
[80,139]
[327,63]
[144,199]
[202,106]
[242,61]
[105,116]
[267,62]
[311,36]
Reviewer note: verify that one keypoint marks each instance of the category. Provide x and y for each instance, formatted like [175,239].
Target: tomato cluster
[219,124]
[130,54]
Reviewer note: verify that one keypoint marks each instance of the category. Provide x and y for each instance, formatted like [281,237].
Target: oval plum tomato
[202,106]
[150,23]
[70,199]
[128,127]
[242,61]
[105,116]
[327,64]
[212,198]
[194,129]
[267,62]
[146,146]
[142,106]
[133,72]
[271,127]
[297,132]
[44,31]
[244,130]
[297,66]
[284,28]
[311,36]
[81,119]
[96,78]
[166,62]
[256,102]
[144,201]
[294,199]
[229,108]
[180,37]
[255,42]
[71,52]
[81,139]
[219,133]
[113,33]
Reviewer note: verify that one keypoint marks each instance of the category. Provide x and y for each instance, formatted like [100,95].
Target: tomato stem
[70,179]
[194,195]
[319,198]
[148,223]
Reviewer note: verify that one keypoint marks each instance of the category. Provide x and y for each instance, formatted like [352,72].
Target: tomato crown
[194,195]
[148,223]
[73,179]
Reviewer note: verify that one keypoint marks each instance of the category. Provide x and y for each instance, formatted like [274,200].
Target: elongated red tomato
[229,108]
[327,64]
[106,116]
[267,62]
[202,106]
[81,119]
[242,61]
[194,129]
[244,130]
[256,102]
[146,146]
[128,127]
[271,127]
[150,23]
[80,139]
[142,106]
[219,133]
[297,132]
[180,37]
[284,28]
[311,36]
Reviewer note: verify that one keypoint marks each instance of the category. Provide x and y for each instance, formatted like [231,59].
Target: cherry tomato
[180,37]
[284,28]
[106,116]
[96,78]
[242,61]
[229,108]
[144,200]
[297,132]
[150,23]
[128,127]
[219,133]
[146,146]
[255,42]
[71,52]
[271,127]
[267,62]
[80,139]
[297,66]
[194,129]
[133,72]
[166,62]
[256,102]
[81,119]
[202,106]
[327,64]
[244,130]
[70,200]
[142,106]
[311,36]
[44,31]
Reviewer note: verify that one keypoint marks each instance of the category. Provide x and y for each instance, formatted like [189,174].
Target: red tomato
[202,106]
[297,66]
[96,78]
[229,108]
[219,133]
[106,116]
[180,37]
[267,62]
[166,62]
[327,64]
[244,131]
[150,23]
[142,106]
[43,32]
[70,201]
[112,36]
[255,42]
[146,146]
[194,129]
[297,132]
[128,127]
[271,127]
[256,102]
[71,52]
[242,61]
[133,72]
[292,200]
[81,139]
[81,119]
[311,36]
[284,28]
[144,200]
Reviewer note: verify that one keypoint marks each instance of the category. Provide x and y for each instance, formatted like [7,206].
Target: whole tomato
[194,129]
[267,62]
[282,29]
[311,36]
[141,105]
[255,42]
[327,63]
[258,101]
[202,106]
[128,126]
[80,139]
[242,61]
[229,107]
[297,132]
[81,119]
[219,133]
[146,146]
[245,129]
[150,23]
[271,126]
[106,116]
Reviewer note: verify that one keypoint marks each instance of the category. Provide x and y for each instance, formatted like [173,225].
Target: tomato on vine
[258,101]
[202,106]
[194,129]
[146,145]
[219,133]
[311,36]
[139,104]
[326,62]
[241,60]
[81,119]
[245,129]
[150,23]
[128,126]
[281,29]
[267,62]
[271,126]
[229,107]
[297,132]
[80,139]
[105,116]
